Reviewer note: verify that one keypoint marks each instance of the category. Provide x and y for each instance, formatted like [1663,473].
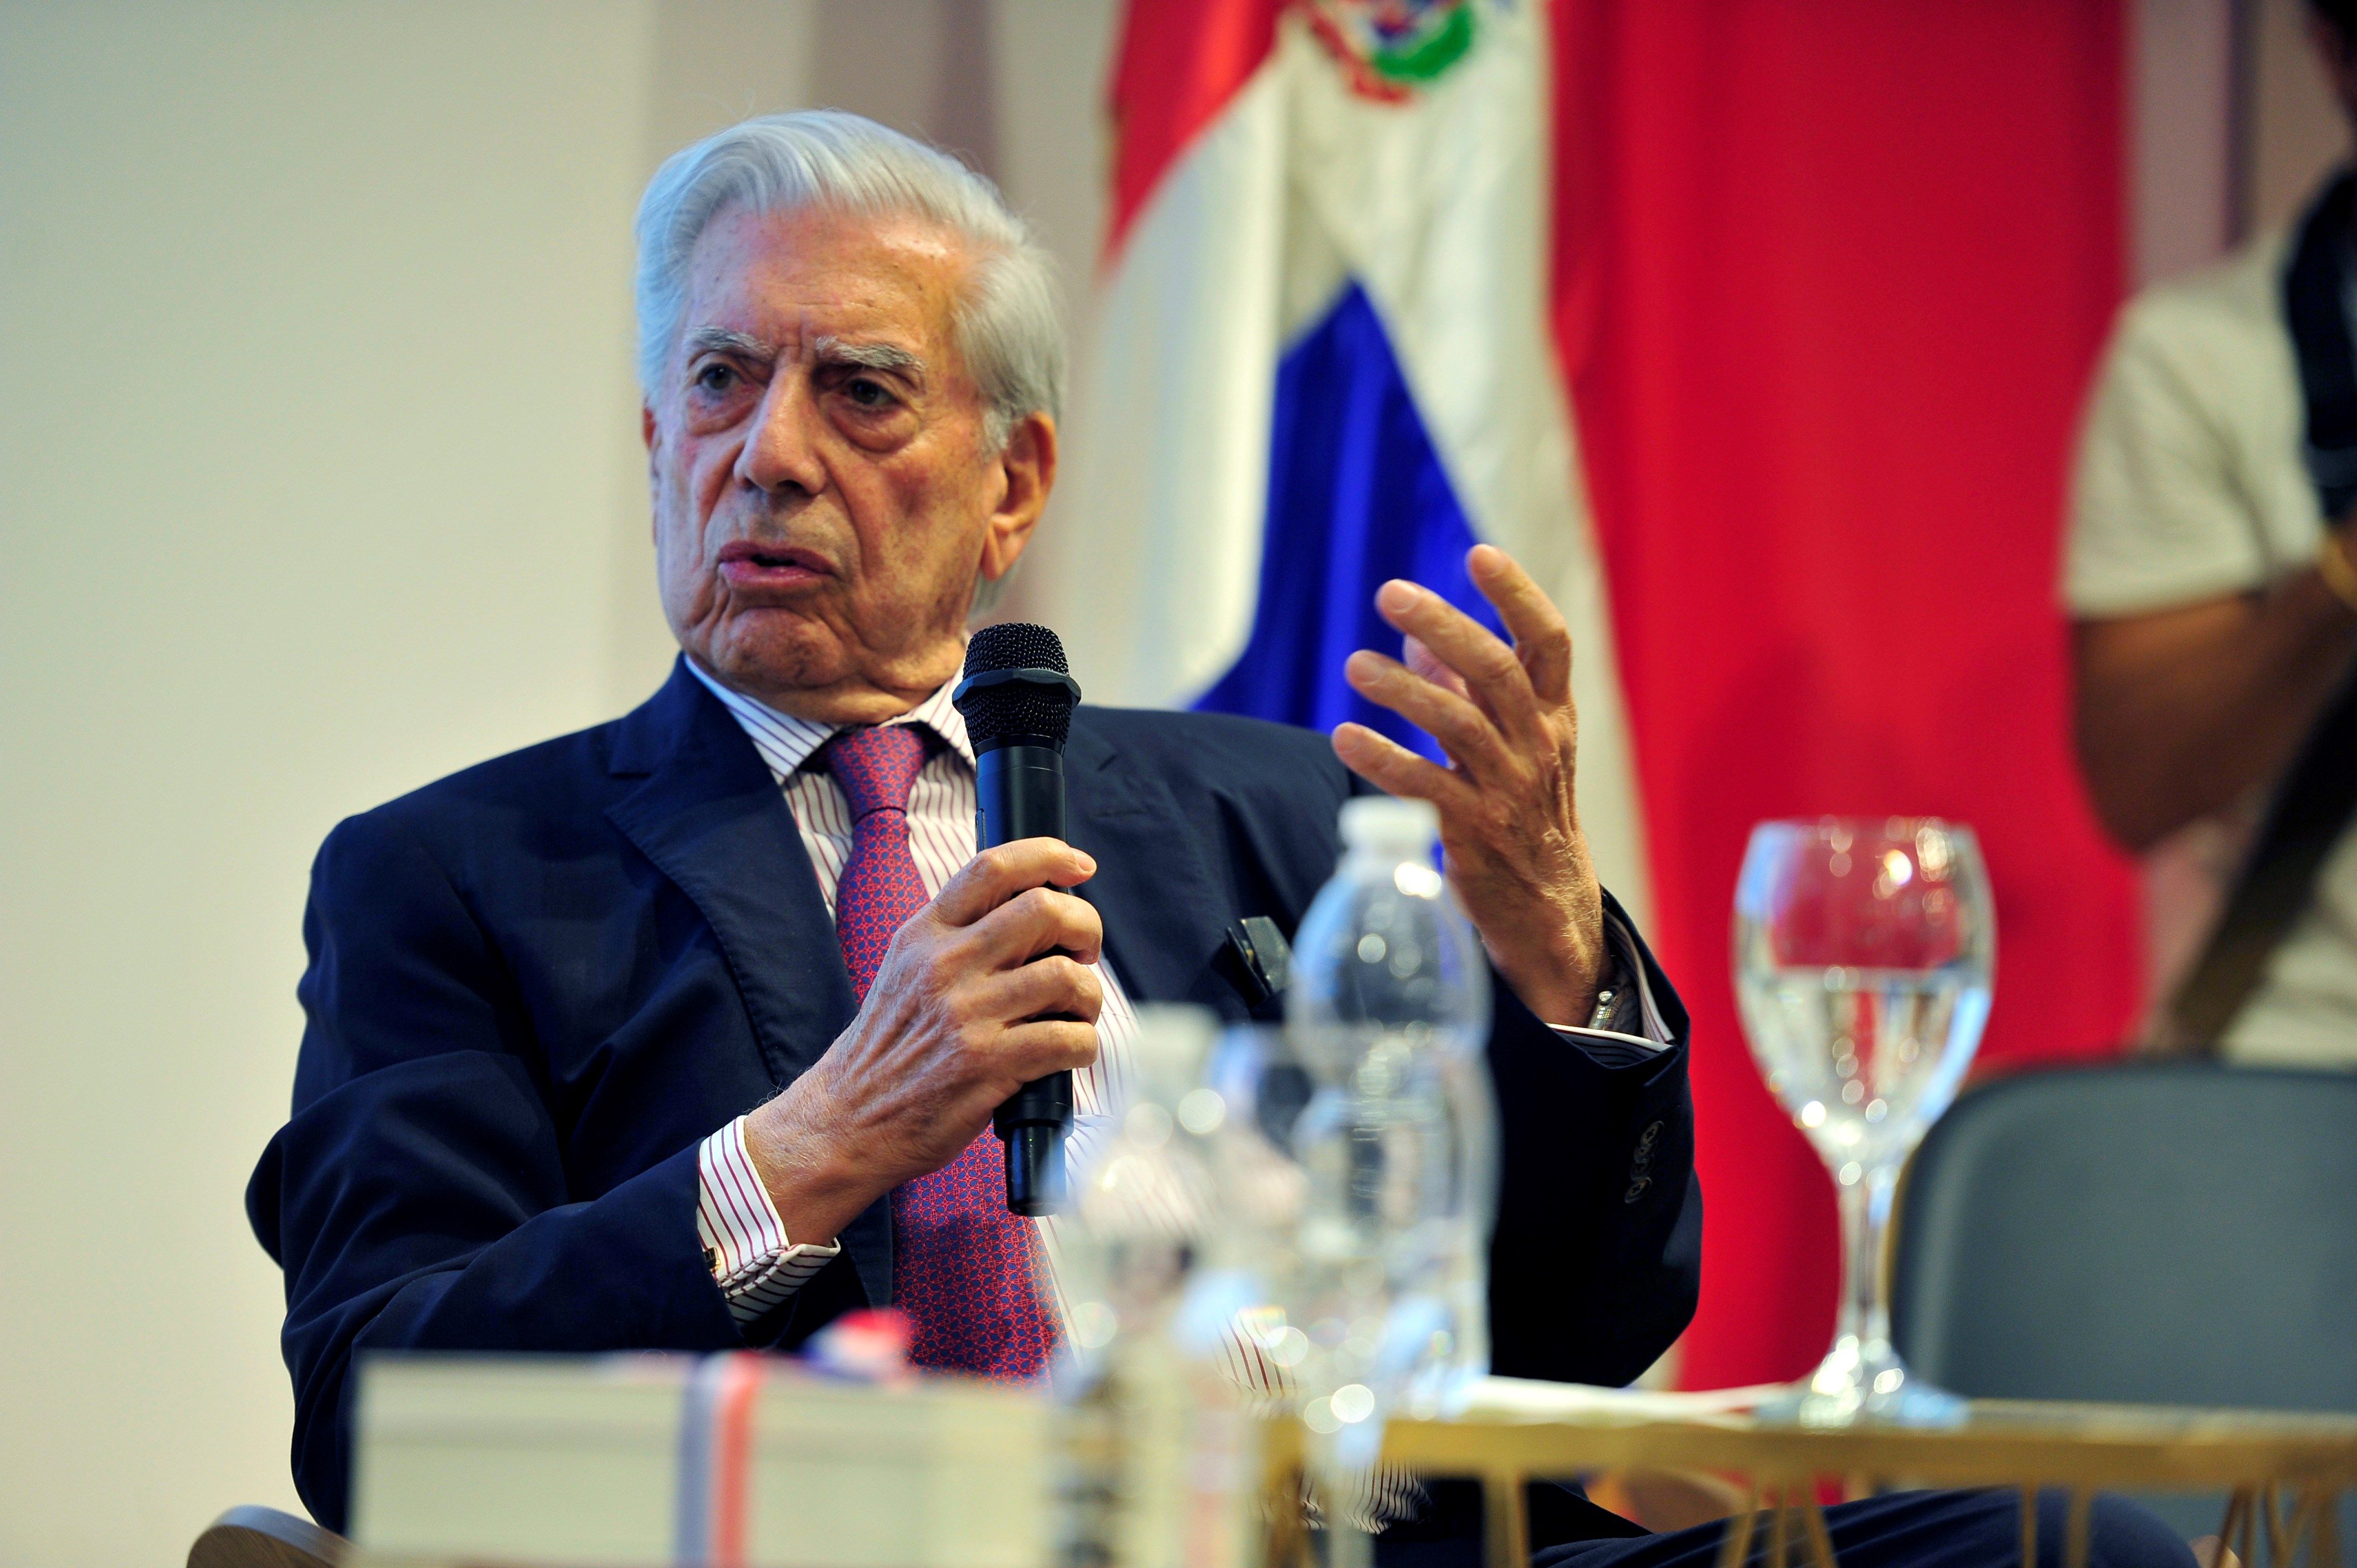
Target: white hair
[1008,327]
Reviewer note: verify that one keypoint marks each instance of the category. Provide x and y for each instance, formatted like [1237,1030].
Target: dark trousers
[1903,1530]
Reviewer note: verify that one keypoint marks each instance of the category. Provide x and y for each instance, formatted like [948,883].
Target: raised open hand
[1508,814]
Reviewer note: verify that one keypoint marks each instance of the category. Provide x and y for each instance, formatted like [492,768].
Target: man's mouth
[746,564]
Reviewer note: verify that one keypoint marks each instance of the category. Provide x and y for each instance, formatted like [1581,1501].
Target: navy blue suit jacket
[536,985]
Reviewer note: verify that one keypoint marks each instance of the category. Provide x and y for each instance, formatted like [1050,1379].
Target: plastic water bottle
[1384,953]
[1389,1006]
[1166,1457]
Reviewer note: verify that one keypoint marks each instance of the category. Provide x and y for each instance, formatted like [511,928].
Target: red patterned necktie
[963,1265]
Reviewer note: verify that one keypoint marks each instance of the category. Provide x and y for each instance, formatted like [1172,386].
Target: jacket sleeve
[1595,1262]
[1597,1258]
[418,1198]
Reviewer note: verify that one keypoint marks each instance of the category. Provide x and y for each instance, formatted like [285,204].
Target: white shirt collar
[786,742]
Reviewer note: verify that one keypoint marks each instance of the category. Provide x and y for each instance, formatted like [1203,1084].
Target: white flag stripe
[1152,564]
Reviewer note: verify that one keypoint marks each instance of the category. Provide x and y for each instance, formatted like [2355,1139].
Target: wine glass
[1864,954]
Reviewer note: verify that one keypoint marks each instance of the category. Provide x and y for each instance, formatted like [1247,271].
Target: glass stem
[1864,1219]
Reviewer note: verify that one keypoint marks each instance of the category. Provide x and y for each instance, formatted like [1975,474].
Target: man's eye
[715,378]
[866,394]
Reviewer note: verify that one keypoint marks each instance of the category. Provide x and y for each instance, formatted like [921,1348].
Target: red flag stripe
[1831,279]
[1179,63]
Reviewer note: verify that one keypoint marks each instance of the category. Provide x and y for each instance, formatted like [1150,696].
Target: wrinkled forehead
[794,276]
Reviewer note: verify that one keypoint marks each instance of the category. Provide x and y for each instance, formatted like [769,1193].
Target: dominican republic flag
[1755,328]
[1322,361]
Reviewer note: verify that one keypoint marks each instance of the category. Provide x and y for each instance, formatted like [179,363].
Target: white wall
[320,476]
[1053,152]
[313,394]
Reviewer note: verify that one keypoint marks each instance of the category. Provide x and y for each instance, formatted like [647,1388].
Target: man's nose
[782,451]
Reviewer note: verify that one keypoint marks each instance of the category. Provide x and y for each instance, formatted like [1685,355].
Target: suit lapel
[1164,914]
[711,820]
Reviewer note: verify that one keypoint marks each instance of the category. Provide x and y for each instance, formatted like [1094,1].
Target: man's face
[824,492]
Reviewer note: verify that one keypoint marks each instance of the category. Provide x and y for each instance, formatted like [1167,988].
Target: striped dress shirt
[756,1263]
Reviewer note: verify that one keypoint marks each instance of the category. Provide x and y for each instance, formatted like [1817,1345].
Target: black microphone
[1017,698]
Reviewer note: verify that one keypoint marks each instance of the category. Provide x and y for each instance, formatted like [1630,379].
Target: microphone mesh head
[1014,645]
[1016,708]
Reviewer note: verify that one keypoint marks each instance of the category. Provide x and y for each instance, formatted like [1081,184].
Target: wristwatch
[1616,1000]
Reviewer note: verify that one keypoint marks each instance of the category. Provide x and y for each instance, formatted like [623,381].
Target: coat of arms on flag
[1390,46]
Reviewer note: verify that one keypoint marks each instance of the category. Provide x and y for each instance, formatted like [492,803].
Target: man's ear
[647,434]
[1027,471]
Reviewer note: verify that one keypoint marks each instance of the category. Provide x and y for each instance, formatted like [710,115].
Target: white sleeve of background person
[2188,483]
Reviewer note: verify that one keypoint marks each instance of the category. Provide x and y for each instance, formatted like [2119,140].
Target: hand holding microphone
[985,999]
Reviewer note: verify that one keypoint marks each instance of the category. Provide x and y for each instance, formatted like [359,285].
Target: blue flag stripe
[1356,497]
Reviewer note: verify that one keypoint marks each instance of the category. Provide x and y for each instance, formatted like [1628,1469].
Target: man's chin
[804,665]
[771,653]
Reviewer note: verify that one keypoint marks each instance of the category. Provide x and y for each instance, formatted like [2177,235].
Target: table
[2283,1472]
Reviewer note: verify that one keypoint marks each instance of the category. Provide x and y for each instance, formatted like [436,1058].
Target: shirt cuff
[744,1242]
[1626,1024]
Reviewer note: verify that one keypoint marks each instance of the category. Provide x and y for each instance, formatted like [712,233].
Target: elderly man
[684,1032]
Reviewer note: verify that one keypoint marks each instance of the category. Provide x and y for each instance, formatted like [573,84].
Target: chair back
[2177,1233]
[2152,1234]
[254,1537]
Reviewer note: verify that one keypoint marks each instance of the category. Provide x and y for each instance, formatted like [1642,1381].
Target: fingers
[1426,666]
[1494,679]
[1394,770]
[995,875]
[1031,923]
[1464,732]
[1048,1045]
[1050,1008]
[1054,984]
[1542,640]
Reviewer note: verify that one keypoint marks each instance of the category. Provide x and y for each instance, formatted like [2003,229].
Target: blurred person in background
[2212,573]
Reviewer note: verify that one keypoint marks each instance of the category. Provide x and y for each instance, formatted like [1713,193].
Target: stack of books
[737,1460]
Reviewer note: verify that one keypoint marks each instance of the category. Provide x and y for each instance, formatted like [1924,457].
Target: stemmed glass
[1864,955]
